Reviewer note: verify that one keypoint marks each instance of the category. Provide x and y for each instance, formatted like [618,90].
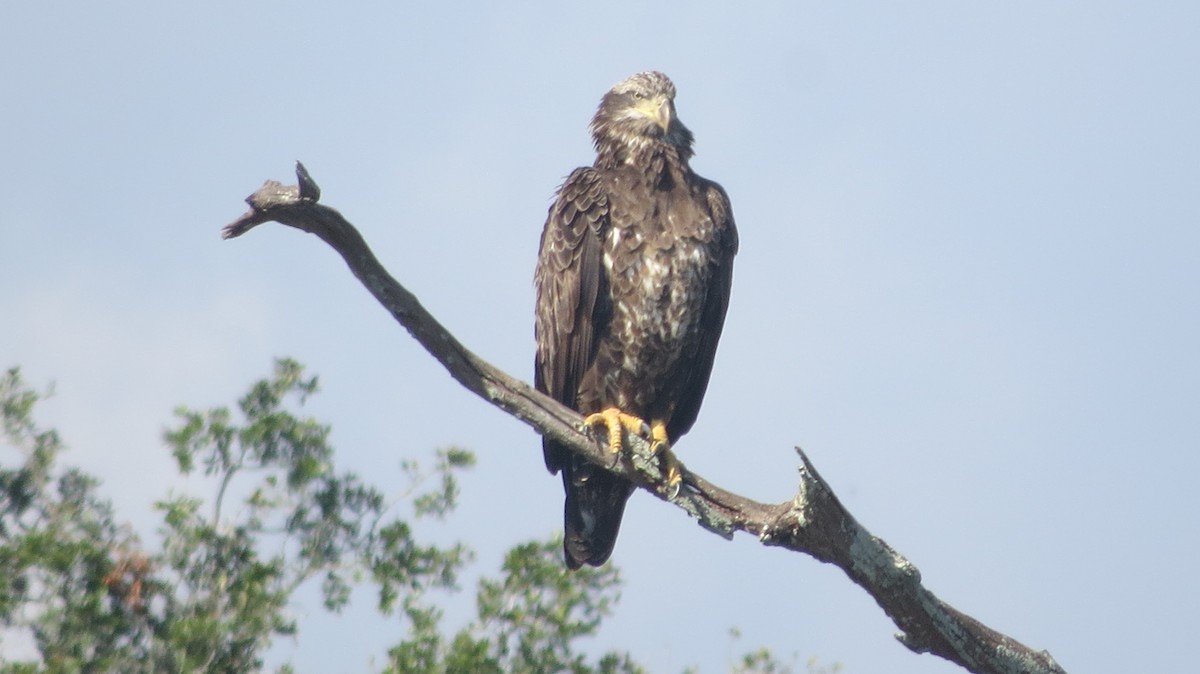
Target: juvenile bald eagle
[633,281]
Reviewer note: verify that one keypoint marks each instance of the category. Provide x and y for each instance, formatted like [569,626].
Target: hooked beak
[662,116]
[659,111]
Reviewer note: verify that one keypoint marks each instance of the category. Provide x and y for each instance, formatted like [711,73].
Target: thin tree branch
[813,522]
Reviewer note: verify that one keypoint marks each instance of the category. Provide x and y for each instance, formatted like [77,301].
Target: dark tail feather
[592,514]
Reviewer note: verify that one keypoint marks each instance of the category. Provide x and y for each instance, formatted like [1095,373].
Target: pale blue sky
[967,286]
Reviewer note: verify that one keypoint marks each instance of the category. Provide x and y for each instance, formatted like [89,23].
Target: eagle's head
[638,114]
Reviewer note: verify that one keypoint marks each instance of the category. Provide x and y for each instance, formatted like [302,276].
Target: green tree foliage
[89,597]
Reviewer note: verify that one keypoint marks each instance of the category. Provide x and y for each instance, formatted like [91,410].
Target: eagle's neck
[658,161]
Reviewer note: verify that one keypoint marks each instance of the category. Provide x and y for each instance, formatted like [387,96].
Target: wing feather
[716,303]
[573,304]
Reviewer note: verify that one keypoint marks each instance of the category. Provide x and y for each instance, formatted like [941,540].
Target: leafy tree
[91,598]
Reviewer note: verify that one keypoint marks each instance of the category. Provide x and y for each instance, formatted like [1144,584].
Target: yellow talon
[658,437]
[662,448]
[616,423]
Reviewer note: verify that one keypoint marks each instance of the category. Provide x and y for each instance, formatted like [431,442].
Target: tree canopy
[88,595]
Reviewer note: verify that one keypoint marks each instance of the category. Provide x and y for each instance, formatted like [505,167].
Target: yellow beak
[657,109]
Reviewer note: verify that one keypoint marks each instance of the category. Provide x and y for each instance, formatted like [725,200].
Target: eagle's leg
[661,447]
[616,423]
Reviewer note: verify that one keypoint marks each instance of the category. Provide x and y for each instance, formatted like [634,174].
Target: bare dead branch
[813,522]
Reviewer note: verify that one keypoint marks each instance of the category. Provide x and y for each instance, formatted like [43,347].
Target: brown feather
[633,281]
